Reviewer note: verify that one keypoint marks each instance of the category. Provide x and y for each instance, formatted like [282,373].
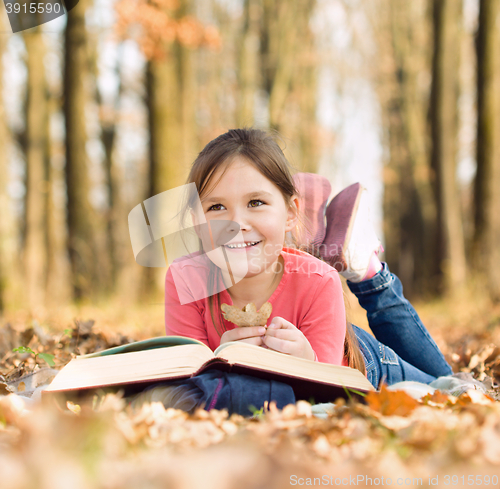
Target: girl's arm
[183,319]
[190,319]
[324,323]
[322,328]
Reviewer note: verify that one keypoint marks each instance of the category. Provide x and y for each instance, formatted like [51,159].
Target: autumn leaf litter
[113,446]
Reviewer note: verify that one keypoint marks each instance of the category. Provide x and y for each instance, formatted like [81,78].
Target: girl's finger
[255,340]
[283,346]
[238,334]
[280,323]
[247,332]
[284,334]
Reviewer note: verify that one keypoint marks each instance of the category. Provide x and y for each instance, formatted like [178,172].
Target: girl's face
[245,196]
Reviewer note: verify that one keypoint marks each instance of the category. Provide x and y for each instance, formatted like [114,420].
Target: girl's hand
[283,336]
[251,334]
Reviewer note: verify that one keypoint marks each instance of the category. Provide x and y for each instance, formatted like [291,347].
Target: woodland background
[110,105]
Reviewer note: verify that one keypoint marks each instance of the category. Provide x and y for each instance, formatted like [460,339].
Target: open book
[174,357]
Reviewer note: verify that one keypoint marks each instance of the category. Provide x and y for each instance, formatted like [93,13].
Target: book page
[157,364]
[238,353]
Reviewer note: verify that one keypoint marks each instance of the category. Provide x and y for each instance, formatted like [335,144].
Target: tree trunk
[418,220]
[171,103]
[4,200]
[113,180]
[107,240]
[288,66]
[281,39]
[306,90]
[35,252]
[486,243]
[248,60]
[58,267]
[444,124]
[118,241]
[80,219]
[303,100]
[188,89]
[402,32]
[165,118]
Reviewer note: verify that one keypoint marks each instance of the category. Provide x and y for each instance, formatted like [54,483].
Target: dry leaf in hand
[249,316]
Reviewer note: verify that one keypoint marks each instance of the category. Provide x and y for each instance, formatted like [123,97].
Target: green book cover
[149,344]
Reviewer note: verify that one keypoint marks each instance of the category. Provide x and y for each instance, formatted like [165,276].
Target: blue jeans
[214,389]
[403,348]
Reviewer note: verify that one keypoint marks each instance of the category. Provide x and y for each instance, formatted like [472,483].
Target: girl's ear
[292,213]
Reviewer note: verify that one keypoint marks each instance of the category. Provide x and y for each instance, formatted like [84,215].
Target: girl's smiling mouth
[240,246]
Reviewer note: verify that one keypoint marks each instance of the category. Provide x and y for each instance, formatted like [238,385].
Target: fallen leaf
[391,403]
[5,389]
[478,397]
[437,398]
[480,356]
[396,423]
[84,327]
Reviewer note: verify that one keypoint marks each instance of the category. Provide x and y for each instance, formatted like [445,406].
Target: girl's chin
[258,266]
[247,262]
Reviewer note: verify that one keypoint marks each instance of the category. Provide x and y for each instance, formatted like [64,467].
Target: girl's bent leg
[383,365]
[395,323]
[213,389]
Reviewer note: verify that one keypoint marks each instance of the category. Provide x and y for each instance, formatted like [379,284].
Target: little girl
[243,178]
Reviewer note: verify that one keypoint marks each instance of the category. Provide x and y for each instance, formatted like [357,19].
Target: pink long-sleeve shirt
[309,295]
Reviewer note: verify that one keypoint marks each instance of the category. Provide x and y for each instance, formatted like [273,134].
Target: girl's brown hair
[260,150]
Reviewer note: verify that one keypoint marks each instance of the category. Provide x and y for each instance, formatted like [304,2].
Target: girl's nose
[232,226]
[238,222]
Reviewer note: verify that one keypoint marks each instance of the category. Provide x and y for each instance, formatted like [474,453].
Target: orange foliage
[155,25]
[391,403]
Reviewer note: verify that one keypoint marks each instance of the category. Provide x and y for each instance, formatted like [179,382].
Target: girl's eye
[215,207]
[256,203]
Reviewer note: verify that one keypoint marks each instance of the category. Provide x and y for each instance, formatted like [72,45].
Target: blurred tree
[401,68]
[35,149]
[486,242]
[220,87]
[305,101]
[288,67]
[168,34]
[4,200]
[109,239]
[80,214]
[279,49]
[58,267]
[486,245]
[447,15]
[165,85]
[249,62]
[116,222]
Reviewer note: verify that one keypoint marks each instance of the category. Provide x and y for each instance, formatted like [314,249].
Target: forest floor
[390,440]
